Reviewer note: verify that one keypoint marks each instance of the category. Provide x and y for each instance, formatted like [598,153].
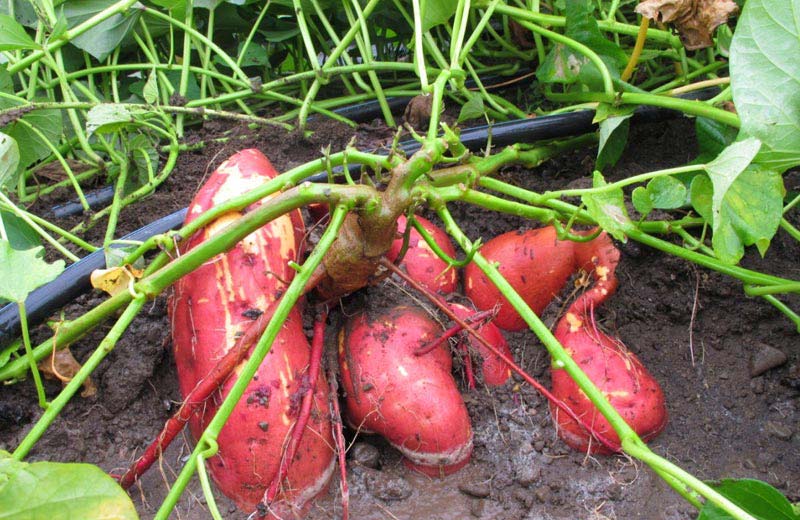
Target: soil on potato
[708,345]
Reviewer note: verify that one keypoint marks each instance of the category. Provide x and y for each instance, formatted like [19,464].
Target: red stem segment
[317,345]
[338,436]
[196,398]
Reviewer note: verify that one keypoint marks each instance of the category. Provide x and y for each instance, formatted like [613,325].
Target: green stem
[201,38]
[635,179]
[26,340]
[41,232]
[287,302]
[55,407]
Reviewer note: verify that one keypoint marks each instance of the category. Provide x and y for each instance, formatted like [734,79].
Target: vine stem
[293,293]
[631,443]
[55,407]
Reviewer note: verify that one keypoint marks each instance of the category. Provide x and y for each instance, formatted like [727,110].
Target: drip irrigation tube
[74,281]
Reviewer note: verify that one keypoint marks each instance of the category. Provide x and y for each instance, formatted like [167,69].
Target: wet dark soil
[694,329]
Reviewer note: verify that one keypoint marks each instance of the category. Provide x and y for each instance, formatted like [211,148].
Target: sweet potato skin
[535,263]
[412,401]
[617,372]
[420,262]
[495,371]
[214,304]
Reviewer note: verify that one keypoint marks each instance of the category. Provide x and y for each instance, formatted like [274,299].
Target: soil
[694,329]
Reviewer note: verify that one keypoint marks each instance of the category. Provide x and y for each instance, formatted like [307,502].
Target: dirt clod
[766,357]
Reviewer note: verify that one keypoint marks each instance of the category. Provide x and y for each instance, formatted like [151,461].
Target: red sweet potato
[412,401]
[495,370]
[535,263]
[420,262]
[214,304]
[617,372]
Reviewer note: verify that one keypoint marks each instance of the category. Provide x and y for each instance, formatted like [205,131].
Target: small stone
[365,455]
[538,445]
[542,494]
[523,497]
[528,474]
[748,464]
[757,385]
[476,507]
[765,358]
[525,448]
[475,489]
[781,431]
[389,489]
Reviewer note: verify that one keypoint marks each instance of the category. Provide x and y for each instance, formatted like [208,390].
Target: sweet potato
[420,262]
[535,263]
[617,372]
[495,370]
[214,304]
[412,401]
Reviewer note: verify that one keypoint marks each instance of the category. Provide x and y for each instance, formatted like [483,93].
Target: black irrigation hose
[74,281]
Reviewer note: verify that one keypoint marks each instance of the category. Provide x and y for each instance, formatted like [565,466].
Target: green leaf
[582,26]
[765,79]
[712,137]
[608,209]
[101,40]
[107,118]
[6,82]
[562,65]
[642,201]
[666,192]
[613,138]
[751,212]
[143,153]
[32,147]
[472,109]
[728,165]
[437,12]
[24,12]
[20,235]
[9,160]
[150,89]
[23,271]
[701,191]
[758,498]
[13,36]
[255,55]
[58,491]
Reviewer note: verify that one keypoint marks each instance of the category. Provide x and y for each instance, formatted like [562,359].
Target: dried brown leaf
[418,112]
[63,366]
[695,20]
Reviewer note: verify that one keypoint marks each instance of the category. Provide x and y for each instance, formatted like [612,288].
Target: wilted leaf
[63,366]
[9,160]
[765,79]
[107,117]
[608,209]
[418,111]
[23,271]
[51,490]
[695,20]
[114,280]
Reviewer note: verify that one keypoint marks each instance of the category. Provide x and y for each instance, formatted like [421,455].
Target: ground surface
[724,420]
